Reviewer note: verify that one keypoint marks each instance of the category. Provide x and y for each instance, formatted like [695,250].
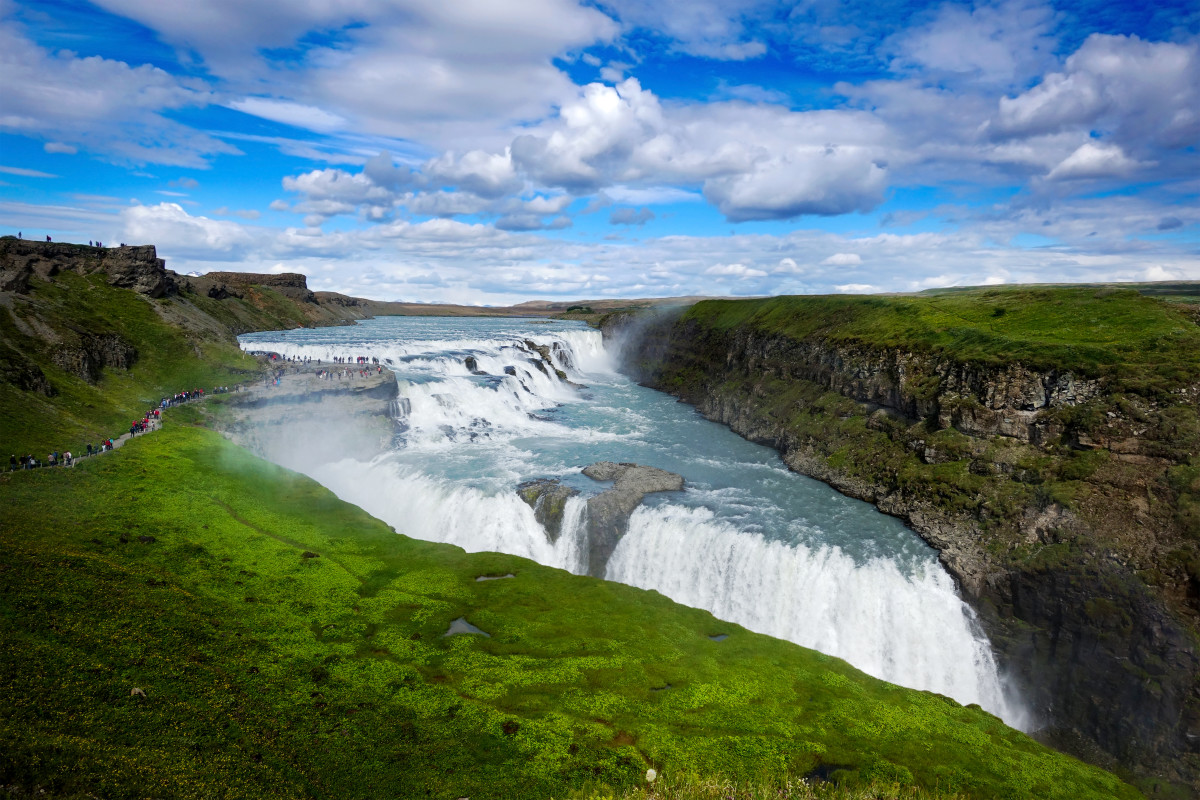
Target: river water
[748,540]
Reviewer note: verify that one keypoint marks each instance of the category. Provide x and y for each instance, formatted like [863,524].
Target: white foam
[911,630]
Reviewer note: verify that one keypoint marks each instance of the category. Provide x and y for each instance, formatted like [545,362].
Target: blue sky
[492,151]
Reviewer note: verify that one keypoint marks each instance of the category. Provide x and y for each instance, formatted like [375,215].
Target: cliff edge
[1046,442]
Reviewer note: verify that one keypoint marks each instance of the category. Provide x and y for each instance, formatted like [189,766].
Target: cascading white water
[907,629]
[748,541]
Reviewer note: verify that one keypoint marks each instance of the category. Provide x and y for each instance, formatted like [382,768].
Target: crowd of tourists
[149,421]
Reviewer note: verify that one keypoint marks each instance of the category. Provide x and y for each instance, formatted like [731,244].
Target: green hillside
[290,645]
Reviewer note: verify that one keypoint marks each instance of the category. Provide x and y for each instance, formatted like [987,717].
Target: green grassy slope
[1139,342]
[194,350]
[178,565]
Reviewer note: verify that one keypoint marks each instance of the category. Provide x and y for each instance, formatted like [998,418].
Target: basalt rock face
[292,285]
[130,267]
[1085,598]
[88,357]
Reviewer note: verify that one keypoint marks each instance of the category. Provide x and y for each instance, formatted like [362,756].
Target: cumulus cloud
[169,225]
[735,271]
[484,174]
[329,192]
[1142,92]
[100,104]
[821,181]
[1005,43]
[842,260]
[751,161]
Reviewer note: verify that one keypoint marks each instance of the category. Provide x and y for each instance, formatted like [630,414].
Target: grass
[1140,343]
[170,359]
[289,645]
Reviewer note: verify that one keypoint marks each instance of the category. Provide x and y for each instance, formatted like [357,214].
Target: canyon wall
[1053,499]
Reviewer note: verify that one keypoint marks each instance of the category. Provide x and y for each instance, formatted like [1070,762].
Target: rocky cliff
[131,267]
[1060,499]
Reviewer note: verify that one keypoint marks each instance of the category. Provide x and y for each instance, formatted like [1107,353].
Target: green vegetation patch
[1143,344]
[287,644]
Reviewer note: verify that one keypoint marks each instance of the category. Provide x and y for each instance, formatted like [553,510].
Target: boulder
[548,499]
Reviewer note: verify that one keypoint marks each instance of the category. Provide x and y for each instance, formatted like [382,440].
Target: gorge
[1056,491]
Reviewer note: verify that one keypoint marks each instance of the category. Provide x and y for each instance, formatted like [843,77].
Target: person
[67,456]
[12,463]
[47,238]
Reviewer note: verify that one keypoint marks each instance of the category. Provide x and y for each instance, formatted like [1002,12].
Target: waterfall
[480,411]
[908,629]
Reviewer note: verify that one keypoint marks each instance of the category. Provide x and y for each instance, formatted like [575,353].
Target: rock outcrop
[130,267]
[548,499]
[219,285]
[607,512]
[92,352]
[971,455]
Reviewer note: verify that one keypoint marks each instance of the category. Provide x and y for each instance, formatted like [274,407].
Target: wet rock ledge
[607,513]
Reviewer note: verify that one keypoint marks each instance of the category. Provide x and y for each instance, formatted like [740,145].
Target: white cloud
[1094,160]
[753,162]
[99,104]
[26,173]
[821,181]
[856,288]
[843,260]
[651,195]
[1005,43]
[289,113]
[176,231]
[718,29]
[1143,92]
[423,70]
[61,148]
[735,271]
[484,174]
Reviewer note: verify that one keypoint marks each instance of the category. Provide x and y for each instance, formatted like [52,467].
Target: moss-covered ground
[289,645]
